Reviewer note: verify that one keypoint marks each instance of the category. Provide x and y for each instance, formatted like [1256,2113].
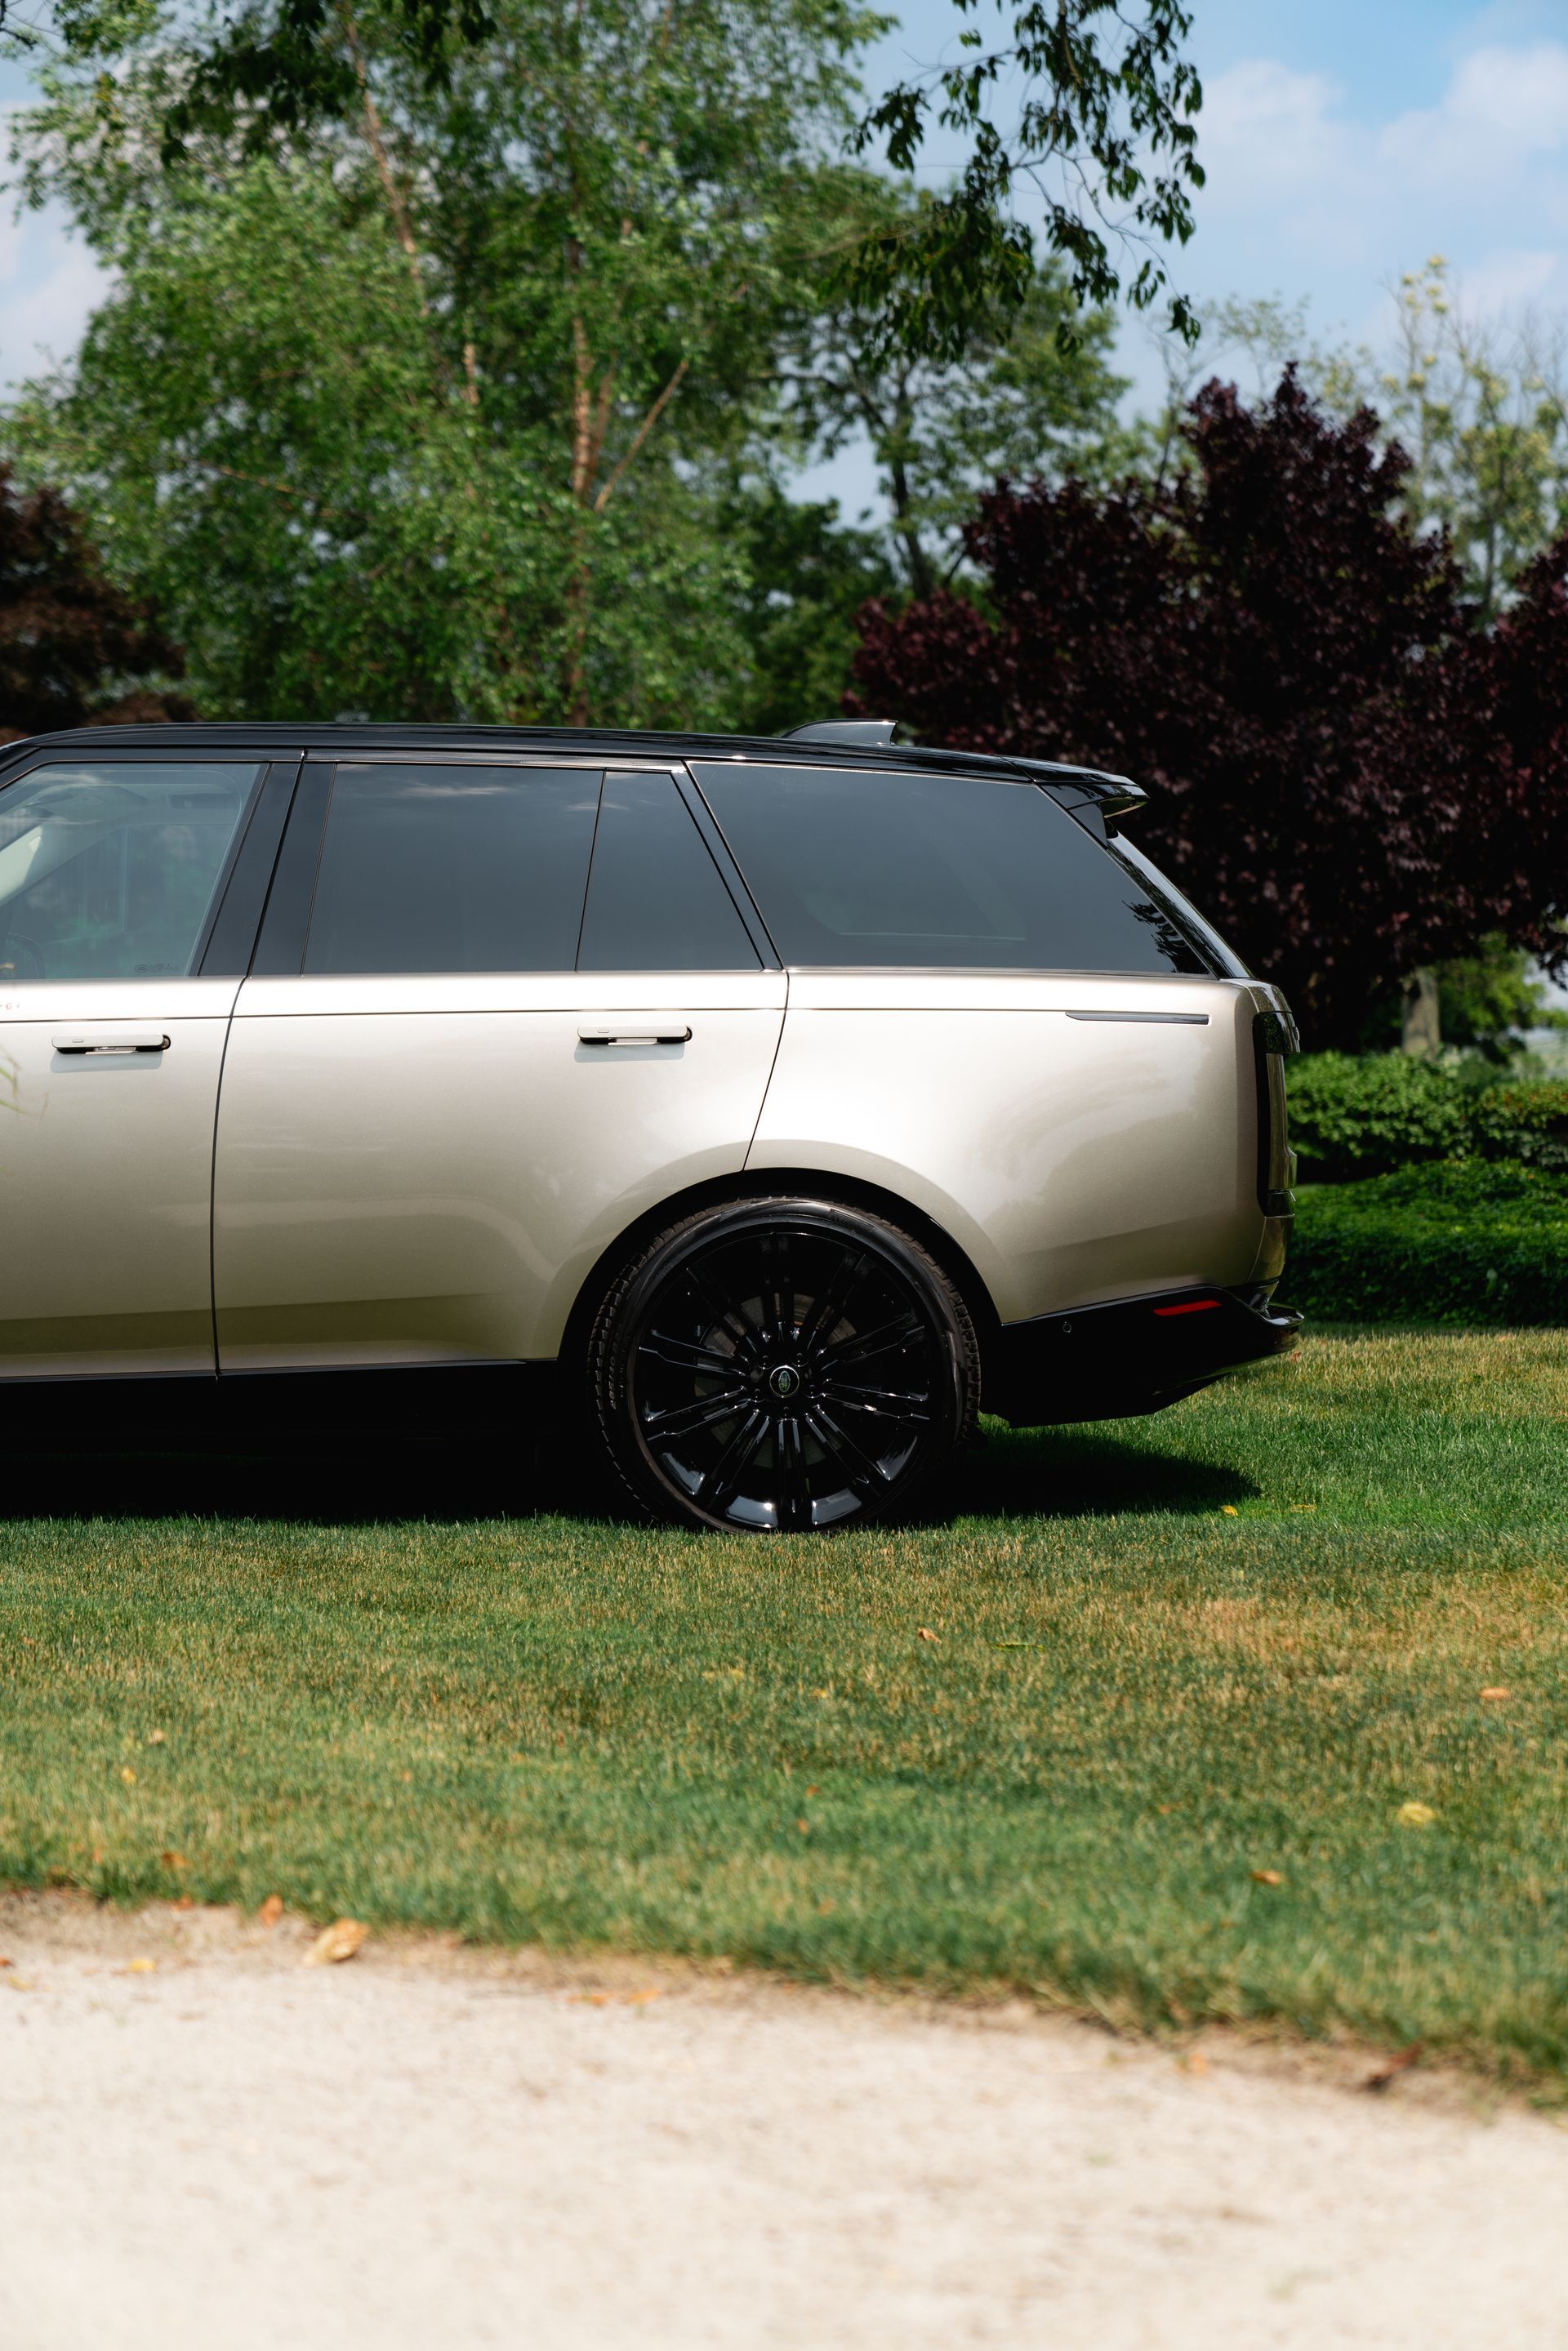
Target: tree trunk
[1422,1031]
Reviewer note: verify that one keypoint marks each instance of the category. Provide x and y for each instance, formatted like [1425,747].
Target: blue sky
[1344,140]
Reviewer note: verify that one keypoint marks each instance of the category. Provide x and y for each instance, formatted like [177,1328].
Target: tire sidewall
[622,1318]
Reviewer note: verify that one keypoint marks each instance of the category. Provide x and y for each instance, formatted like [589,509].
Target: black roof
[348,735]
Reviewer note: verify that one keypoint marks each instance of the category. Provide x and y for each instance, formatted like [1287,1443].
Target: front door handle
[111,1041]
[665,1033]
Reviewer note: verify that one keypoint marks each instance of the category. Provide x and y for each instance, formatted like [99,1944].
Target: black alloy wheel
[780,1366]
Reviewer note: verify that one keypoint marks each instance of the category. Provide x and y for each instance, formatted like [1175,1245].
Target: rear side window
[656,899]
[962,872]
[108,869]
[428,869]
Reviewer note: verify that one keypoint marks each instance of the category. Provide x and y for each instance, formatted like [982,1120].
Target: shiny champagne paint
[423,1170]
[106,1170]
[1073,1160]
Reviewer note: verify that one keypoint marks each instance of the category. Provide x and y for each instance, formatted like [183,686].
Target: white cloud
[49,283]
[1264,128]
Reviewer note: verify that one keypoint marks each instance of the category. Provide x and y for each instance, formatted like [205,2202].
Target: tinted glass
[956,871]
[108,871]
[453,869]
[656,900]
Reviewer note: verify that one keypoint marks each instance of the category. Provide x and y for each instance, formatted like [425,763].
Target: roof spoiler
[1076,788]
[861,734]
[1112,796]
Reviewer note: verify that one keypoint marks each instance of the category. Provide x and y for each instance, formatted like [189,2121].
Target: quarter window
[861,867]
[107,871]
[657,901]
[435,869]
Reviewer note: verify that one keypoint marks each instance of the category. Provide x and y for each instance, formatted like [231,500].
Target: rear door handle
[667,1032]
[111,1041]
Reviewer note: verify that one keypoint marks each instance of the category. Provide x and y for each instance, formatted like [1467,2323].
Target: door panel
[106,1176]
[1083,1137]
[423,1169]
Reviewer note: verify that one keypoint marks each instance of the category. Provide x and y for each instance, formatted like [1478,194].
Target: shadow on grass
[152,1460]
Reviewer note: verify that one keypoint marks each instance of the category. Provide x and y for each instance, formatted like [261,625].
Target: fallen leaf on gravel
[271,1910]
[1196,2062]
[1267,1877]
[7,1963]
[639,1998]
[141,1967]
[336,1942]
[1494,1697]
[924,1633]
[1415,1816]
[1400,2063]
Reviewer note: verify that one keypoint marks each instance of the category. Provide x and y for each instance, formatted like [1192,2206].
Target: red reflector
[1190,1306]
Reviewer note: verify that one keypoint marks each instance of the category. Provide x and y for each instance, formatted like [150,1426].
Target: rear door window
[108,869]
[657,901]
[453,869]
[959,872]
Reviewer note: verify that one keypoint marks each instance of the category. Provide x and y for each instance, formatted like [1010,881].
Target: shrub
[1471,1241]
[1525,1121]
[1353,1115]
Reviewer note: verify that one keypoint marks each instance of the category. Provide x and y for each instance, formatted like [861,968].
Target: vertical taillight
[1273,1036]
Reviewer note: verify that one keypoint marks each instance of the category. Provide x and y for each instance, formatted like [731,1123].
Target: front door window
[107,872]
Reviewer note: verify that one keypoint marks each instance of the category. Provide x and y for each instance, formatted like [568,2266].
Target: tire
[782,1366]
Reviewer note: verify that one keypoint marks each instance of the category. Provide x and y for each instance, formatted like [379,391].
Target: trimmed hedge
[1528,1123]
[1353,1115]
[1463,1241]
[1356,1114]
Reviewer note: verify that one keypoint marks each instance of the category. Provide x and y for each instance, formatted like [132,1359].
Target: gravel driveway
[432,2148]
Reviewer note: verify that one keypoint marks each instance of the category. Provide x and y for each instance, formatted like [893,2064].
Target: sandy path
[441,2149]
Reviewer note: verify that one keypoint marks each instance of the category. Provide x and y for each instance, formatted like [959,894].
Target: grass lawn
[1175,1659]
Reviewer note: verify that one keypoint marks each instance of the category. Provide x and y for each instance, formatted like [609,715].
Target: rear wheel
[783,1365]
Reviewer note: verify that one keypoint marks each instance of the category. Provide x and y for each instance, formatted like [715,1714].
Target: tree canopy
[1349,771]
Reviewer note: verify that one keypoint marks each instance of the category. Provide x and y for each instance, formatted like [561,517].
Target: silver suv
[795,1098]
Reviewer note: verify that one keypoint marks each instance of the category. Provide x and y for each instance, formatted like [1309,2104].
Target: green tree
[417,407]
[1025,394]
[803,577]
[1483,413]
[1100,101]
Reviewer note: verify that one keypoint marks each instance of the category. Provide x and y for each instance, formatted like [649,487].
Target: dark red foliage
[1348,774]
[72,648]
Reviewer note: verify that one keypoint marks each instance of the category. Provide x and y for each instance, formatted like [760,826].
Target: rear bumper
[1135,1355]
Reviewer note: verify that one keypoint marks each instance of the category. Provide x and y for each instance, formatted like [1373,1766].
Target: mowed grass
[1174,1660]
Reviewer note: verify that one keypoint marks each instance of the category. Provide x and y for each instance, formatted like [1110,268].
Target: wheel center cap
[784,1381]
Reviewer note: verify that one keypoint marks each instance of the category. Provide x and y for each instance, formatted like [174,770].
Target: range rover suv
[792,1099]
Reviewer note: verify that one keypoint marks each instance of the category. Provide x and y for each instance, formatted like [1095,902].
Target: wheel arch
[763,1182]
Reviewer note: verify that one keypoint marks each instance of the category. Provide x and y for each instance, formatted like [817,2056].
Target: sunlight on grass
[1172,1657]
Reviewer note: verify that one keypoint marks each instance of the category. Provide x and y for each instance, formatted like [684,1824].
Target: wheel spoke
[842,1283]
[684,1354]
[794,1483]
[887,1403]
[778,1292]
[687,1419]
[862,1345]
[717,1490]
[727,1318]
[867,1477]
